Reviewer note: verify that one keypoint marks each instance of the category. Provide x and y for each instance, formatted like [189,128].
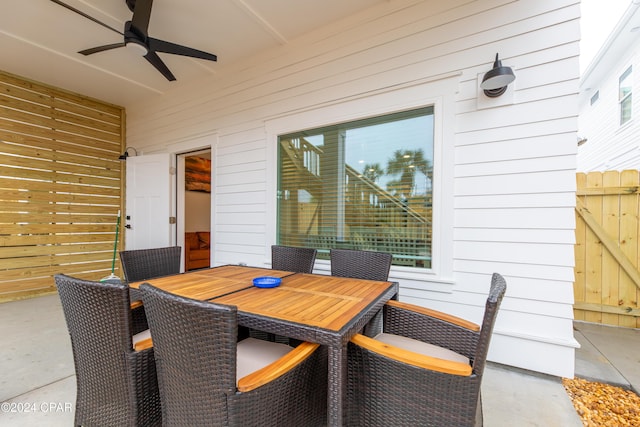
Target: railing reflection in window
[364,185]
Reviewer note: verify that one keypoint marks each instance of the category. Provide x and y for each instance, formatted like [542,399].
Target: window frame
[414,249]
[438,93]
[627,99]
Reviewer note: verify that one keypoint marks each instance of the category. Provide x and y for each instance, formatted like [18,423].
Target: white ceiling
[39,40]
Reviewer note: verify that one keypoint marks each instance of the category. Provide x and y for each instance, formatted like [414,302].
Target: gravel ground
[601,404]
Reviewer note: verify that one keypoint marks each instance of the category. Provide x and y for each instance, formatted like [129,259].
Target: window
[624,96]
[366,184]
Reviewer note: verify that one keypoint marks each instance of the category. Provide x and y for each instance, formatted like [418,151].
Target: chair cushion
[254,354]
[140,336]
[421,347]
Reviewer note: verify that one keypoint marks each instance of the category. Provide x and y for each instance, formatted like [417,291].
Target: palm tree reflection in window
[406,163]
[372,171]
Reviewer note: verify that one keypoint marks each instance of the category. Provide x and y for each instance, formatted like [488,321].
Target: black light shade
[495,81]
[124,155]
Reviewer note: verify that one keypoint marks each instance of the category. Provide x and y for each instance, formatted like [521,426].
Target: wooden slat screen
[60,185]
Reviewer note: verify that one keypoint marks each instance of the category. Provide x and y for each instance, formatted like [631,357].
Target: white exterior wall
[506,166]
[611,146]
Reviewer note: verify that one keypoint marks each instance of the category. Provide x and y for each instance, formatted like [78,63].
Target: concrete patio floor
[37,380]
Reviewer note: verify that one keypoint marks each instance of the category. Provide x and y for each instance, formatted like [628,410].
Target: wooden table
[322,309]
[210,283]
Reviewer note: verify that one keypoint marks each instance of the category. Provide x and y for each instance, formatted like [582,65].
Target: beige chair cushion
[254,354]
[421,347]
[140,336]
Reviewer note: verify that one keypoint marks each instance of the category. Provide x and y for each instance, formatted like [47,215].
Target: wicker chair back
[357,264]
[289,258]
[143,264]
[115,384]
[196,345]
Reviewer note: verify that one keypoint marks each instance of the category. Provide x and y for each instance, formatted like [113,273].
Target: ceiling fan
[136,37]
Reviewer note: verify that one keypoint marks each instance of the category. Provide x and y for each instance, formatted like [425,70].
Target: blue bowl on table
[266,282]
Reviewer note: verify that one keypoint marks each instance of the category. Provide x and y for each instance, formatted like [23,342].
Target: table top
[210,283]
[315,300]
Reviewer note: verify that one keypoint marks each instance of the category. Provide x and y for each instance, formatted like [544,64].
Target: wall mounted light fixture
[495,81]
[124,155]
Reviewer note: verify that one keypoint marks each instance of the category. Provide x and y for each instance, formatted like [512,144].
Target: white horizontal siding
[515,192]
[535,147]
[508,178]
[532,218]
[514,235]
[514,271]
[517,165]
[550,254]
[610,146]
[522,288]
[535,111]
[556,126]
[244,198]
[528,200]
[523,183]
[240,188]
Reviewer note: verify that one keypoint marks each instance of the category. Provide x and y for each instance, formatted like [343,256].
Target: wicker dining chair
[143,264]
[285,258]
[369,265]
[357,264]
[289,258]
[207,377]
[116,384]
[425,369]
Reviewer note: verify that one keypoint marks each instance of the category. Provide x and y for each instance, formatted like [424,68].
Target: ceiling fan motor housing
[133,36]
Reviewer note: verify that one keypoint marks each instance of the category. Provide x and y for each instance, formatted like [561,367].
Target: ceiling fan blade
[101,48]
[155,60]
[141,16]
[176,49]
[81,13]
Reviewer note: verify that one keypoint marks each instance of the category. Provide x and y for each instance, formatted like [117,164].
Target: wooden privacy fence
[607,253]
[60,185]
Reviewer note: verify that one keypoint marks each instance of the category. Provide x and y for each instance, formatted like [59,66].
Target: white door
[148,219]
